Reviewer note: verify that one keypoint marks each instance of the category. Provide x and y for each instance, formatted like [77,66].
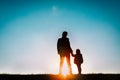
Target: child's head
[78,51]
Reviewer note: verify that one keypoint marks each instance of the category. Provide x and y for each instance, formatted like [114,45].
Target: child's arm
[81,59]
[72,54]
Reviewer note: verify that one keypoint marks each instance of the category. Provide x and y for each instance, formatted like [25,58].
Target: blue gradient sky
[29,31]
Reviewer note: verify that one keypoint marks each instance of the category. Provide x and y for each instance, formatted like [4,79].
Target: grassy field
[60,77]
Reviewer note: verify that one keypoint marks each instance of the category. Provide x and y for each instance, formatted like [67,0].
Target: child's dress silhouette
[78,60]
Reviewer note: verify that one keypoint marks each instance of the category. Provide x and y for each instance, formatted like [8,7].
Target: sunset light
[29,30]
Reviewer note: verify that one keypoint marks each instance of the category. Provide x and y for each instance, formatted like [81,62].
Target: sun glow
[64,74]
[65,70]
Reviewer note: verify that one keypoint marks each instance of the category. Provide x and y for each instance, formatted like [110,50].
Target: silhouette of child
[78,59]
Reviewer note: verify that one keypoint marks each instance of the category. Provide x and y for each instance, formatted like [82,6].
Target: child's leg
[79,69]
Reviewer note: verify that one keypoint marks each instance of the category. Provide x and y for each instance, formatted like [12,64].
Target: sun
[64,74]
[65,70]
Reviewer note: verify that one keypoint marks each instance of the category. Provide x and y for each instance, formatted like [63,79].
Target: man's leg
[61,64]
[69,64]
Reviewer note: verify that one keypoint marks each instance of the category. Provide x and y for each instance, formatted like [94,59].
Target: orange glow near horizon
[65,70]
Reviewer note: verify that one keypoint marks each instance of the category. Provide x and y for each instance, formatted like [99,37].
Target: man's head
[64,34]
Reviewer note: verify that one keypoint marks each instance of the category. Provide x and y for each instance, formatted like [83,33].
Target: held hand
[72,54]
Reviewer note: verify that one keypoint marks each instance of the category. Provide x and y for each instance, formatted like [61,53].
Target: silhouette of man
[64,50]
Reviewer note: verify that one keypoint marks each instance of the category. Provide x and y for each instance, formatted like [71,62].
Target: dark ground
[58,77]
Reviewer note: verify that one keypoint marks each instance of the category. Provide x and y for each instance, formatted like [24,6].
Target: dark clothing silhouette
[63,46]
[64,50]
[78,60]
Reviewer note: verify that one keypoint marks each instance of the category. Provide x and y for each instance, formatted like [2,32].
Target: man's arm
[58,44]
[72,54]
[71,51]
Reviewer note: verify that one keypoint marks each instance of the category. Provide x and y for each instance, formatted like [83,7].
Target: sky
[29,31]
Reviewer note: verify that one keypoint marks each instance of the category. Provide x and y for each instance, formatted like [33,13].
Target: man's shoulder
[59,38]
[67,38]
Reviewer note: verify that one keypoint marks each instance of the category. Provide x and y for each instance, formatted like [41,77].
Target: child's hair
[78,51]
[78,57]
